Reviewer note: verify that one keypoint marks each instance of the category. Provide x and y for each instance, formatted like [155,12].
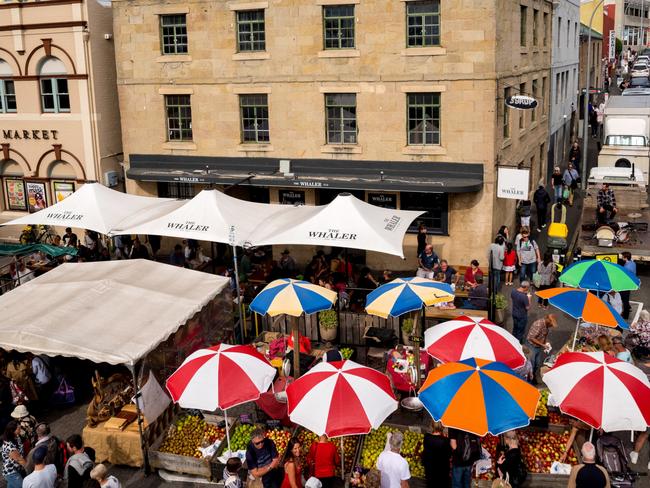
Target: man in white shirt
[44,475]
[393,467]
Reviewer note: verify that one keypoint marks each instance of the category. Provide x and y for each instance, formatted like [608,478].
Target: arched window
[7,90]
[54,86]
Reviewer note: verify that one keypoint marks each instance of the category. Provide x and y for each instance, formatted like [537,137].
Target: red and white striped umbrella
[221,376]
[600,390]
[473,337]
[340,398]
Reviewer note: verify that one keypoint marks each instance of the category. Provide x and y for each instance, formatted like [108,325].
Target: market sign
[512,183]
[610,258]
[521,102]
[385,200]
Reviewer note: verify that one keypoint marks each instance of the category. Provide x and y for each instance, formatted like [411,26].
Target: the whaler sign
[67,215]
[188,226]
[521,102]
[512,183]
[332,235]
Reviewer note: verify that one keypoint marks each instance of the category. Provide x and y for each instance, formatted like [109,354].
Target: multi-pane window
[533,115]
[506,114]
[523,21]
[250,31]
[7,96]
[179,117]
[423,23]
[254,115]
[173,34]
[544,98]
[341,114]
[338,27]
[54,95]
[545,39]
[436,206]
[535,22]
[423,118]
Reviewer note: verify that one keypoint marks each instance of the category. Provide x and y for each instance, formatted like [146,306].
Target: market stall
[138,313]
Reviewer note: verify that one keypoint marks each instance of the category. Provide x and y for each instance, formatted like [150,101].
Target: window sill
[252,56]
[506,143]
[339,53]
[254,147]
[340,149]
[432,150]
[337,2]
[522,132]
[187,145]
[424,51]
[533,125]
[174,58]
[523,50]
[56,114]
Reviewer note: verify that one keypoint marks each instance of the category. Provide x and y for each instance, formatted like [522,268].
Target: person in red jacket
[323,458]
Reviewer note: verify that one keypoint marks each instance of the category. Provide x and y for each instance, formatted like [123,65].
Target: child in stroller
[611,455]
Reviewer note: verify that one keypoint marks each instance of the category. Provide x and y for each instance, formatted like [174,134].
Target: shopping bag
[502,483]
[537,279]
[64,394]
[560,468]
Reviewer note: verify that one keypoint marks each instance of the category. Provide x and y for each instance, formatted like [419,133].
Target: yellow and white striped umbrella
[292,297]
[404,295]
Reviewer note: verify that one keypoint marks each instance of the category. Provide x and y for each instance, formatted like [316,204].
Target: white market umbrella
[345,222]
[98,208]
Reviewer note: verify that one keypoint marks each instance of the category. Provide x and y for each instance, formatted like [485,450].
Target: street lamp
[585,114]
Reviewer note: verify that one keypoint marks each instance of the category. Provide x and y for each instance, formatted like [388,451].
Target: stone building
[400,103]
[564,84]
[59,120]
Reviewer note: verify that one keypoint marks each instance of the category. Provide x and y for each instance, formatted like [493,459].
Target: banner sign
[612,44]
[512,183]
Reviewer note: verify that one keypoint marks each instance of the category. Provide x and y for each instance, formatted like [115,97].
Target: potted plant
[500,305]
[328,323]
[407,331]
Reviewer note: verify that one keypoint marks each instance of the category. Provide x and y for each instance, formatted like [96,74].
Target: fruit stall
[179,449]
[373,444]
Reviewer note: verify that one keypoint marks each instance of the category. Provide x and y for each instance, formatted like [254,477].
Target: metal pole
[136,394]
[295,331]
[642,23]
[585,115]
[225,417]
[239,298]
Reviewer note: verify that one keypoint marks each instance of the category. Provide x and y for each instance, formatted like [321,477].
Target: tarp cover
[113,311]
[7,249]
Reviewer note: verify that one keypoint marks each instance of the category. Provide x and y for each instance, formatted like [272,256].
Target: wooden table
[115,446]
[452,313]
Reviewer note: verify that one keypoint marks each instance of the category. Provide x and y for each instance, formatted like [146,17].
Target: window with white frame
[55,97]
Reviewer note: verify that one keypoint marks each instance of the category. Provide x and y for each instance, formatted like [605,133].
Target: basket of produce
[179,449]
[374,443]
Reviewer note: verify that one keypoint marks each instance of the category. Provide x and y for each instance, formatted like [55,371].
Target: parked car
[640,69]
[640,90]
[638,82]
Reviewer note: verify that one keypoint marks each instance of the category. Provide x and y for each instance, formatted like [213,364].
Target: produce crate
[402,428]
[306,438]
[176,462]
[541,480]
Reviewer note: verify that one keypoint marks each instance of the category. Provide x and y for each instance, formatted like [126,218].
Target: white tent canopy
[211,216]
[114,311]
[345,222]
[98,208]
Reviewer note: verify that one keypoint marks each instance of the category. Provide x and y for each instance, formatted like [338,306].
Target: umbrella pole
[342,460]
[591,434]
[296,347]
[225,416]
[416,346]
[575,336]
[239,297]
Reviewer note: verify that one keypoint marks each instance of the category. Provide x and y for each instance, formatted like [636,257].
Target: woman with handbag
[510,466]
[292,466]
[13,460]
[322,459]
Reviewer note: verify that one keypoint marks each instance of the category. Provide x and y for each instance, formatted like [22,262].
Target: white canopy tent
[96,207]
[113,311]
[210,216]
[345,222]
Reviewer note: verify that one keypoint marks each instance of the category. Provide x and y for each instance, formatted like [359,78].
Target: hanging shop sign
[512,183]
[521,102]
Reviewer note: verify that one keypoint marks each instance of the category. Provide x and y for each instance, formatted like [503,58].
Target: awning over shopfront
[114,311]
[340,174]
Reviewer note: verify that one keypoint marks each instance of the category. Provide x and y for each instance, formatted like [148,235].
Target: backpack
[469,447]
[611,454]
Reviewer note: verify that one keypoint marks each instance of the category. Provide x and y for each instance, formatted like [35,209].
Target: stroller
[558,232]
[611,455]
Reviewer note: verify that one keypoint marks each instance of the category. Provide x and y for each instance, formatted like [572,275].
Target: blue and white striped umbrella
[292,297]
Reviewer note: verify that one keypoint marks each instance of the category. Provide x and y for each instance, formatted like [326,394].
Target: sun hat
[19,412]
